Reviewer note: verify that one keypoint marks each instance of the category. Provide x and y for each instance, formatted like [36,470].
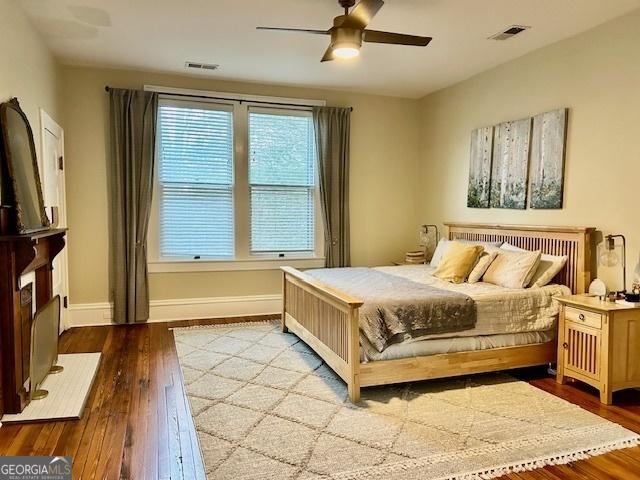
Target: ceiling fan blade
[328,55]
[362,13]
[375,36]
[303,30]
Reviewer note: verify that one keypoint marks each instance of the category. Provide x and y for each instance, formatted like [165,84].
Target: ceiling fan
[350,30]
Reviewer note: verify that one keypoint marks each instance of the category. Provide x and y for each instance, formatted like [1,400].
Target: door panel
[582,350]
[53,181]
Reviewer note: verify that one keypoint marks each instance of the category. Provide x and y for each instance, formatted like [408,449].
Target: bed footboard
[327,320]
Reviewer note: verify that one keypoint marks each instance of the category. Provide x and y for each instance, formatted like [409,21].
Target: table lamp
[609,258]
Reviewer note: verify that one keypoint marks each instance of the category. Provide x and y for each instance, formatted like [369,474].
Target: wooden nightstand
[599,344]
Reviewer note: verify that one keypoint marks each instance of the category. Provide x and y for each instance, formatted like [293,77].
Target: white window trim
[244,260]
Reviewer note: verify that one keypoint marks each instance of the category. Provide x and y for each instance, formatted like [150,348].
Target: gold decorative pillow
[512,269]
[457,262]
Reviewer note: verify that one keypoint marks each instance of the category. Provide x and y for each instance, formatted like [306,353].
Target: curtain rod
[108,88]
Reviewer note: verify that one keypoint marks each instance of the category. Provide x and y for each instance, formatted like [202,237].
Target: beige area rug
[266,407]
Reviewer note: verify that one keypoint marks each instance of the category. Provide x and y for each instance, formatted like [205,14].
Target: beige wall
[596,75]
[384,160]
[29,71]
[409,157]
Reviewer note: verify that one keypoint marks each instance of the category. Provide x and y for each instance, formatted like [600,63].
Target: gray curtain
[131,162]
[332,129]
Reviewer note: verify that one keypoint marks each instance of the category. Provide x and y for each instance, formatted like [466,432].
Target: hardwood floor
[137,423]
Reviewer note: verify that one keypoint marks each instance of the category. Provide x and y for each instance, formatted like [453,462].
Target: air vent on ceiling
[509,32]
[202,66]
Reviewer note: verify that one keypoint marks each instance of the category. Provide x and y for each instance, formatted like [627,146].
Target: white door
[53,186]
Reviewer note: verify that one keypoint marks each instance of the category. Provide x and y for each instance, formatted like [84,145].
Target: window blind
[281,181]
[195,174]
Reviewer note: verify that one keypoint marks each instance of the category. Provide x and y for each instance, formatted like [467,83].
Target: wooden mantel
[21,254]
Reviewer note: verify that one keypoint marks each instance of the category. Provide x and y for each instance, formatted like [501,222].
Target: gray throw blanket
[396,308]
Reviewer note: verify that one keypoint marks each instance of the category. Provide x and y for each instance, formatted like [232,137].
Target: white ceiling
[161,35]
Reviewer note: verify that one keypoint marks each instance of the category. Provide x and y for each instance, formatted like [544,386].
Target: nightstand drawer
[583,317]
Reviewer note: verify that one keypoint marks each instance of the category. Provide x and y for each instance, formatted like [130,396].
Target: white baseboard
[94,314]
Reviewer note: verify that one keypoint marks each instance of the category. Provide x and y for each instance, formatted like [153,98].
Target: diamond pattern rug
[266,407]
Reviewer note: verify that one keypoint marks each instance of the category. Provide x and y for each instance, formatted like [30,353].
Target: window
[195,176]
[235,182]
[282,181]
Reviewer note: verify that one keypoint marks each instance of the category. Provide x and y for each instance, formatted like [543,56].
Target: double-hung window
[236,187]
[195,180]
[282,181]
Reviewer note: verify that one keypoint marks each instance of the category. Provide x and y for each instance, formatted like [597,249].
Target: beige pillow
[548,267]
[481,266]
[457,262]
[512,269]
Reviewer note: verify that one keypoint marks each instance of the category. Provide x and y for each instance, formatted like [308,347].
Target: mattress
[454,344]
[499,310]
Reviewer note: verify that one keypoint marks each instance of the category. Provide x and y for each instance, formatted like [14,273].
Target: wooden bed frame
[327,319]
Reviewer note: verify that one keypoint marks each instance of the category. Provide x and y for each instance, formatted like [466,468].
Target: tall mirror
[23,180]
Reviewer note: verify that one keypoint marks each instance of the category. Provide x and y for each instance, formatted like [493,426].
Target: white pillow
[443,244]
[484,244]
[513,248]
[439,252]
[512,269]
[548,268]
[481,266]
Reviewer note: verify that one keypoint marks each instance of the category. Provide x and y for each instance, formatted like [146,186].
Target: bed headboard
[574,242]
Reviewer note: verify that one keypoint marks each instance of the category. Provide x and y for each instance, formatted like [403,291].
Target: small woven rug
[266,407]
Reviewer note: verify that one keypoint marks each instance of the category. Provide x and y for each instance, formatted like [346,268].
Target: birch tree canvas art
[547,159]
[480,168]
[509,172]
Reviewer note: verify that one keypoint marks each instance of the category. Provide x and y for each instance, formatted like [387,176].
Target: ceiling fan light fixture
[346,51]
[345,42]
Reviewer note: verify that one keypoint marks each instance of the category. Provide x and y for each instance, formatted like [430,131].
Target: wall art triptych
[516,160]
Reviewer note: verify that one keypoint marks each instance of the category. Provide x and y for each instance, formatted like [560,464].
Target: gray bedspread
[396,308]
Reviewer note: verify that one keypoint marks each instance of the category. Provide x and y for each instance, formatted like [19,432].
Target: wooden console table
[21,254]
